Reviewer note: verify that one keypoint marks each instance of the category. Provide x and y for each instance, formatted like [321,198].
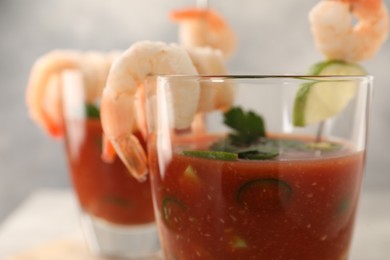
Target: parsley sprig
[248,126]
[92,111]
[248,137]
[248,140]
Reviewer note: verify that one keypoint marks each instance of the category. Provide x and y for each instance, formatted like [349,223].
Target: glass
[292,194]
[117,210]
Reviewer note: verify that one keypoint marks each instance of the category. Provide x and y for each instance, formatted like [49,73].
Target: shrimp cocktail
[63,97]
[245,182]
[251,167]
[238,165]
[205,41]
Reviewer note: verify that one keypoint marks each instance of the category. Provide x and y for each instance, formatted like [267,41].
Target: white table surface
[52,214]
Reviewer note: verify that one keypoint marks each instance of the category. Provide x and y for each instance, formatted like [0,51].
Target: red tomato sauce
[271,209]
[104,190]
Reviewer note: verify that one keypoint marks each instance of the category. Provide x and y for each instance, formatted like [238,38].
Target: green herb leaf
[258,151]
[92,111]
[248,126]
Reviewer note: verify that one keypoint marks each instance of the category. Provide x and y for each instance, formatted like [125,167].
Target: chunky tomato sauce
[272,209]
[104,190]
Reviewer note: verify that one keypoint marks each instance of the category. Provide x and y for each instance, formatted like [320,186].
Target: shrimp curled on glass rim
[119,103]
[213,96]
[204,27]
[208,61]
[338,37]
[43,95]
[122,104]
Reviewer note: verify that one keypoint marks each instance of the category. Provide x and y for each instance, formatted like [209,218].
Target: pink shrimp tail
[108,151]
[369,7]
[133,155]
[55,130]
[118,128]
[210,16]
[366,3]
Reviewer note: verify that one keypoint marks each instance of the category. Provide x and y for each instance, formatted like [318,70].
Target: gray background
[274,38]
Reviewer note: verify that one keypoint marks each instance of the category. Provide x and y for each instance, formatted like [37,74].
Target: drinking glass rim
[368,77]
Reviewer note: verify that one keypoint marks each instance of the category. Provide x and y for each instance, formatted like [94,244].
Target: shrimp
[125,78]
[204,27]
[213,96]
[336,36]
[45,73]
[44,93]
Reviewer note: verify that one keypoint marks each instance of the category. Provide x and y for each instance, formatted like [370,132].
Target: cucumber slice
[318,101]
[343,206]
[324,146]
[117,201]
[216,155]
[172,211]
[264,194]
[238,243]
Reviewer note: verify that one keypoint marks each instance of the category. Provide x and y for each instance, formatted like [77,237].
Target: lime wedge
[336,68]
[317,101]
